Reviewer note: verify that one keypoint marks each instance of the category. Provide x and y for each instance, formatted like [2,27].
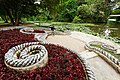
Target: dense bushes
[116,11]
[82,11]
[85,12]
[77,19]
[92,11]
[69,9]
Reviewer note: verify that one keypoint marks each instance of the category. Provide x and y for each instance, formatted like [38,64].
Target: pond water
[114,30]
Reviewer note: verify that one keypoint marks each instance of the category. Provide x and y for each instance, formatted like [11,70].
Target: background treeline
[82,11]
[77,11]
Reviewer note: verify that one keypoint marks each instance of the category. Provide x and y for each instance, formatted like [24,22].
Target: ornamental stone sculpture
[26,56]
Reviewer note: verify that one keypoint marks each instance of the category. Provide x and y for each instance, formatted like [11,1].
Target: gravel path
[76,41]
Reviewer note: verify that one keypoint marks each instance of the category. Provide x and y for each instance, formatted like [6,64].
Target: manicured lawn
[1,22]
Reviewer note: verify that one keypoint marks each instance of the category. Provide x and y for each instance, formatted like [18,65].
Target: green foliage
[77,20]
[80,2]
[16,9]
[52,7]
[86,12]
[41,17]
[92,11]
[77,11]
[0,19]
[27,8]
[116,11]
[68,11]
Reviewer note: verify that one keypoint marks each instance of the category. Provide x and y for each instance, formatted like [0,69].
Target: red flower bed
[62,64]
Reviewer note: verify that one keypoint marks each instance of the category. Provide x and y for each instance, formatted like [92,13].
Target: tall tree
[15,9]
[94,10]
[3,14]
[52,6]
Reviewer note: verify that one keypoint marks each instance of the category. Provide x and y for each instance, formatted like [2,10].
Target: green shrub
[68,11]
[1,19]
[116,11]
[77,20]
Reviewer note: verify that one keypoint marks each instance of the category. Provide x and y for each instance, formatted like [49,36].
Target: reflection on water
[114,31]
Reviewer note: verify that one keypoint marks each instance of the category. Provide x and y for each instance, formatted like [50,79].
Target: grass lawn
[1,22]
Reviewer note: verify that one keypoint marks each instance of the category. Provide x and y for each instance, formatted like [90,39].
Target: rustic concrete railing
[104,54]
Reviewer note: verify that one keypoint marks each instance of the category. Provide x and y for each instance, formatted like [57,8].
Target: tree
[53,7]
[67,11]
[3,14]
[70,10]
[15,9]
[93,10]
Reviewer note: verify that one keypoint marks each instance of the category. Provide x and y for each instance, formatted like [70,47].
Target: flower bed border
[27,32]
[114,62]
[39,36]
[89,73]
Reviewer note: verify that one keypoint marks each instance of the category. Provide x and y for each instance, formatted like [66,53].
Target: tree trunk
[6,19]
[12,21]
[10,15]
[17,22]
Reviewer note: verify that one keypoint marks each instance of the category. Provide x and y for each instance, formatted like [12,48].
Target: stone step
[88,55]
[86,51]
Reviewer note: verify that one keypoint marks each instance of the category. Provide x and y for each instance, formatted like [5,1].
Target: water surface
[114,29]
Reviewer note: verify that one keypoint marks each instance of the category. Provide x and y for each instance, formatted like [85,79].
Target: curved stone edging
[41,37]
[38,36]
[108,47]
[105,55]
[89,72]
[27,60]
[13,27]
[27,30]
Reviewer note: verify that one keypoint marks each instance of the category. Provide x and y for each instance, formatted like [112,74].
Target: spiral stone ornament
[26,56]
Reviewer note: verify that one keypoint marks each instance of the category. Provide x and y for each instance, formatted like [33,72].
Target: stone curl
[26,54]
